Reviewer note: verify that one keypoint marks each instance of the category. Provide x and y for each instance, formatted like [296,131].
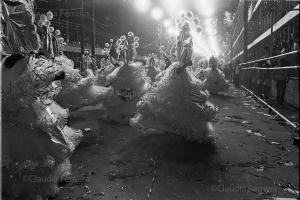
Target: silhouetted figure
[236,75]
[281,77]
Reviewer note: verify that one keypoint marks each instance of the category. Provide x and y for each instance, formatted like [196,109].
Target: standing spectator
[295,47]
[226,70]
[281,77]
[94,65]
[230,72]
[236,76]
[266,80]
[86,63]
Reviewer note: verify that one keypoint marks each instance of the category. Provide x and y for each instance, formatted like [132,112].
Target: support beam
[82,29]
[93,29]
[246,2]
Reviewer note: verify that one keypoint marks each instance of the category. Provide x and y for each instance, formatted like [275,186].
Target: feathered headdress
[126,47]
[188,17]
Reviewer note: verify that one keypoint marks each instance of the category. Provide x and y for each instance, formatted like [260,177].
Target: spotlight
[142,5]
[167,22]
[208,11]
[208,22]
[214,45]
[172,31]
[173,6]
[205,8]
[210,30]
[157,13]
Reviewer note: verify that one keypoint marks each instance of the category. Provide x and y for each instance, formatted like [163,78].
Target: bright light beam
[205,8]
[172,31]
[199,45]
[210,30]
[214,46]
[167,23]
[157,13]
[173,6]
[142,5]
[208,22]
[208,11]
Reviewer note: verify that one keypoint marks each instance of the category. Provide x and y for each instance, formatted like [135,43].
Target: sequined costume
[77,91]
[213,78]
[177,103]
[128,81]
[36,140]
[215,81]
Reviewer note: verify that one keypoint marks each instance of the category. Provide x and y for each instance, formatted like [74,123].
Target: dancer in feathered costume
[108,63]
[215,81]
[36,142]
[36,139]
[202,71]
[19,32]
[151,69]
[74,85]
[128,81]
[177,102]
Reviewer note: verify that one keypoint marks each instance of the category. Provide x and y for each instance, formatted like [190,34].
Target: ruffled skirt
[177,104]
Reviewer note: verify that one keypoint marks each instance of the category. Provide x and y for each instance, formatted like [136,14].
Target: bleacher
[270,46]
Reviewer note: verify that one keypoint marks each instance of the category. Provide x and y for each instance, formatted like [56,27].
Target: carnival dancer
[36,140]
[86,64]
[177,103]
[108,63]
[215,81]
[151,69]
[128,81]
[166,59]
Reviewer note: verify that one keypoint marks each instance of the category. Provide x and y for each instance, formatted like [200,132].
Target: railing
[265,81]
[278,24]
[296,127]
[76,49]
[271,58]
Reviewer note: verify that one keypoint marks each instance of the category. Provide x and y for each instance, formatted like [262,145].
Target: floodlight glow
[167,22]
[208,22]
[157,13]
[214,46]
[172,31]
[208,11]
[173,6]
[142,5]
[210,30]
[205,8]
[199,44]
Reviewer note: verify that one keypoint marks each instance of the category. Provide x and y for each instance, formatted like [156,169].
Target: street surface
[252,157]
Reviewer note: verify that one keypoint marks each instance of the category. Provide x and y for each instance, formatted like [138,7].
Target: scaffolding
[264,50]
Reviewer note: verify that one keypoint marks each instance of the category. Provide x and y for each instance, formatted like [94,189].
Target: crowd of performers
[40,85]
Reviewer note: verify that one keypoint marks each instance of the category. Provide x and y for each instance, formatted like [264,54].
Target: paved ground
[253,157]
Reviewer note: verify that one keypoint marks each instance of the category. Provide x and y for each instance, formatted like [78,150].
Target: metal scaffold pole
[82,29]
[93,29]
[245,59]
